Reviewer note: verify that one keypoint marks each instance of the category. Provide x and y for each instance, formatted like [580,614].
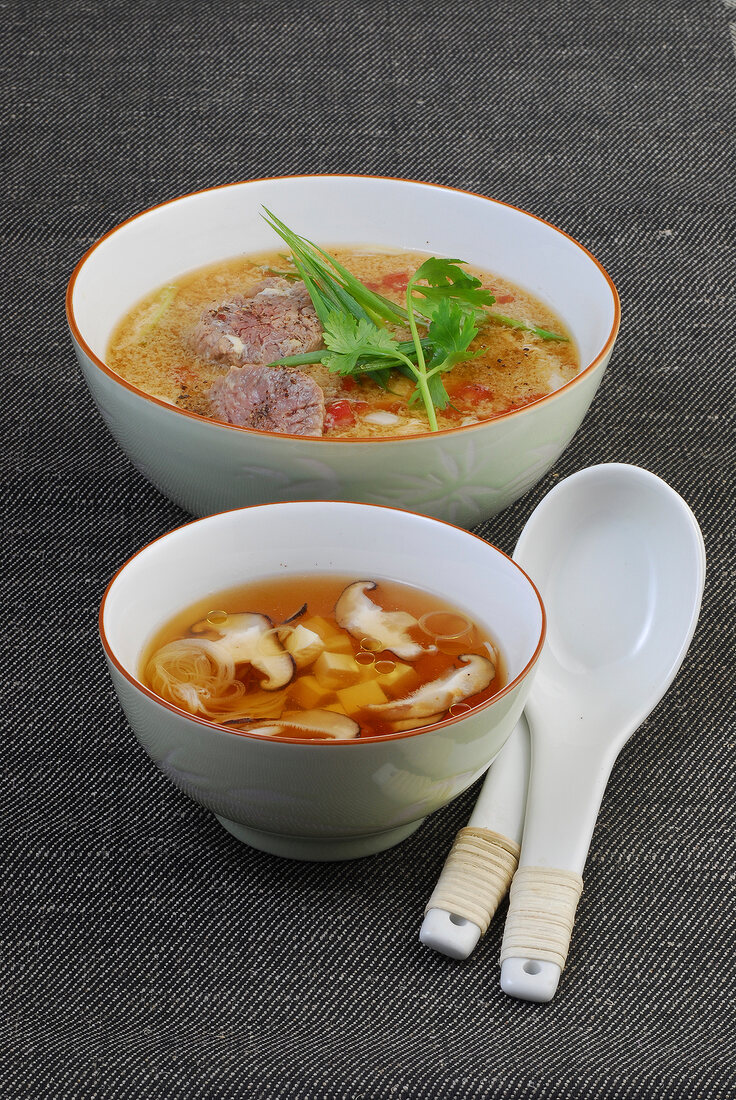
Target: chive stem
[511,322]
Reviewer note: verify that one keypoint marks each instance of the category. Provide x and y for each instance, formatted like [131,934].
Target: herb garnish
[441,297]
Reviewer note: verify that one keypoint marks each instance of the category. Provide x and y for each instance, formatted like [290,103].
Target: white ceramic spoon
[610,548]
[620,563]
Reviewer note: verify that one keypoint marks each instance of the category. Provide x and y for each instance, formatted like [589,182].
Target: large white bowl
[463,474]
[320,799]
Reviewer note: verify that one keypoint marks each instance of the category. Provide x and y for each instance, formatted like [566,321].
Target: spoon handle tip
[530,979]
[451,935]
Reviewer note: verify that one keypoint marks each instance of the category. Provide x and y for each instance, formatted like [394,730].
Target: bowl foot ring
[319,849]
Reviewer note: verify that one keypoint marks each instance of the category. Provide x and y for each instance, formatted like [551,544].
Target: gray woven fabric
[145,952]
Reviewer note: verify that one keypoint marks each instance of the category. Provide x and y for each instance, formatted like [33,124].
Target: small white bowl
[320,800]
[463,474]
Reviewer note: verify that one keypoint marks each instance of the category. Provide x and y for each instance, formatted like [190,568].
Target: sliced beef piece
[269,399]
[276,318]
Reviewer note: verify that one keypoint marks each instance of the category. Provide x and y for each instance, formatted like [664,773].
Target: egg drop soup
[206,344]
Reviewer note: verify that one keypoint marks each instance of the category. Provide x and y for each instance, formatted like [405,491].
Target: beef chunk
[276,318]
[269,399]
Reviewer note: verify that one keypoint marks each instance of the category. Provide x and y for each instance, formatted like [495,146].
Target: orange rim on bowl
[320,440]
[305,741]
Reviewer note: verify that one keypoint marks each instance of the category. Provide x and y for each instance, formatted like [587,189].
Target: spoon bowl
[620,562]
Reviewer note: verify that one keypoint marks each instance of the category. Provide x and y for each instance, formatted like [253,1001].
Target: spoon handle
[484,856]
[566,786]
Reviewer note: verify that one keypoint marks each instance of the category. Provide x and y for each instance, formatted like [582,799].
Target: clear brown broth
[280,597]
[514,368]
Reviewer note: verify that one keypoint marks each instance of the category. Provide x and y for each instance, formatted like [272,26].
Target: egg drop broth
[150,349]
[281,597]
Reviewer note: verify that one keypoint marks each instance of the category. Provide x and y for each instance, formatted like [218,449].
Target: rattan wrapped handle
[539,923]
[476,875]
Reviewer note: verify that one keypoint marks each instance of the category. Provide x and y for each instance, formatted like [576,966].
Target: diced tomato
[395,280]
[503,299]
[470,393]
[339,414]
[342,414]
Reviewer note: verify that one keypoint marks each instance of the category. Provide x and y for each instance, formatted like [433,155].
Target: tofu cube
[307,692]
[321,626]
[337,707]
[402,679]
[336,670]
[339,643]
[361,695]
[304,646]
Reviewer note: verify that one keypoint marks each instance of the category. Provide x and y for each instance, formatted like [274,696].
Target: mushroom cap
[314,723]
[437,696]
[362,618]
[249,638]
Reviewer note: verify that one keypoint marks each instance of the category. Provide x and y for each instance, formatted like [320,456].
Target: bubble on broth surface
[445,625]
[384,667]
[217,618]
[373,645]
[459,708]
[363,657]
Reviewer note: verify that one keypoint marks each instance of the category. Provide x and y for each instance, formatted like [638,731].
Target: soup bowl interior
[200,229]
[320,799]
[237,466]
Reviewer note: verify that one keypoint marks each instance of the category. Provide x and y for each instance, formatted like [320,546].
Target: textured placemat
[145,952]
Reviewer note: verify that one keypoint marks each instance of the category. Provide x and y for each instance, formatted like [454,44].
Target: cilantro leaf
[447,279]
[349,339]
[442,298]
[451,331]
[451,300]
[436,390]
[444,272]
